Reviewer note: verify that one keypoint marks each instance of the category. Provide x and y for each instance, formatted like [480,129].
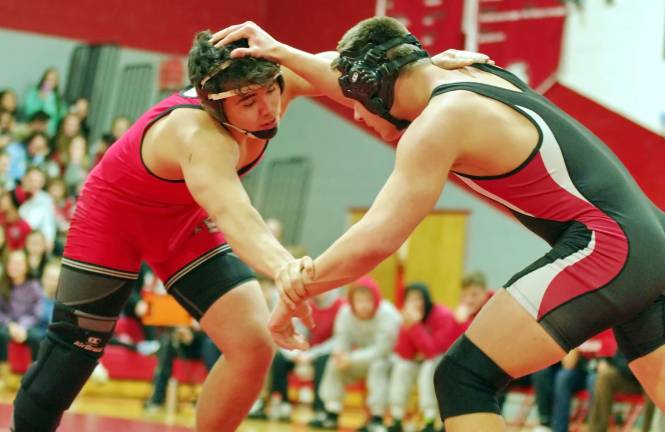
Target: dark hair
[375,31]
[423,290]
[9,91]
[6,283]
[39,116]
[35,168]
[43,78]
[108,138]
[34,135]
[476,278]
[205,58]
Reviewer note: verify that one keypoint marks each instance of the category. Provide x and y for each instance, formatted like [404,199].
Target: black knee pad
[466,381]
[67,356]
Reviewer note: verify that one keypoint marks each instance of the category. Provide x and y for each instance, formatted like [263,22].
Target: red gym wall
[314,26]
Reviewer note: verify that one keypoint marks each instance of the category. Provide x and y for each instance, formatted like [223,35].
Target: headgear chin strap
[264,134]
[369,77]
[214,102]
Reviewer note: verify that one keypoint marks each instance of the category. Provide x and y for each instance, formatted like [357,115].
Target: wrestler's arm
[425,154]
[208,158]
[309,74]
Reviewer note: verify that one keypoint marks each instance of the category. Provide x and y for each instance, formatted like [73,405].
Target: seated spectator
[7,123]
[324,310]
[612,376]
[65,204]
[39,154]
[473,296]
[426,333]
[8,101]
[365,332]
[69,128]
[49,282]
[45,96]
[98,151]
[81,109]
[184,342]
[119,126]
[38,210]
[76,163]
[577,373]
[20,304]
[38,256]
[6,180]
[16,229]
[18,157]
[36,123]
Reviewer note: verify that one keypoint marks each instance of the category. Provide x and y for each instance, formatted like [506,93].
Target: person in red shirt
[473,296]
[426,333]
[16,229]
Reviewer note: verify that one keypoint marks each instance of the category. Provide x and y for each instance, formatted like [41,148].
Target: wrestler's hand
[261,44]
[291,280]
[282,330]
[453,59]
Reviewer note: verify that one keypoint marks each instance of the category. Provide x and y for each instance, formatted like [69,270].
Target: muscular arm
[310,74]
[208,161]
[424,157]
[315,78]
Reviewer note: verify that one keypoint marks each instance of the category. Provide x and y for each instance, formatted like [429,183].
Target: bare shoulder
[455,107]
[194,129]
[448,115]
[454,118]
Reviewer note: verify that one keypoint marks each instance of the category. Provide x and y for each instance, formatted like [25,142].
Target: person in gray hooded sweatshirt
[365,332]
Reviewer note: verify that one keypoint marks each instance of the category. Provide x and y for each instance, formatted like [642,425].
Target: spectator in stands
[119,126]
[6,180]
[426,333]
[76,163]
[17,156]
[16,229]
[7,122]
[49,282]
[37,122]
[102,145]
[365,332]
[64,211]
[38,256]
[38,210]
[39,154]
[324,311]
[577,373]
[613,376]
[81,108]
[8,101]
[20,303]
[473,296]
[70,127]
[46,97]
[185,342]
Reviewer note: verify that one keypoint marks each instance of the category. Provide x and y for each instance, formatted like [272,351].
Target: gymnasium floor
[99,414]
[103,414]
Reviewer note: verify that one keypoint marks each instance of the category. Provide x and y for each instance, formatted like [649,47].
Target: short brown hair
[476,278]
[205,57]
[375,31]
